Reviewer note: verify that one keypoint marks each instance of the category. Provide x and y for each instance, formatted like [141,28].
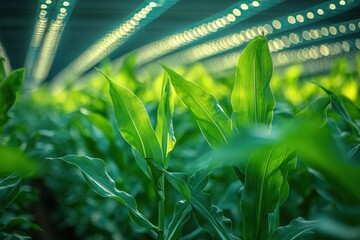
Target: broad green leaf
[9,190]
[142,163]
[96,176]
[9,87]
[252,99]
[164,127]
[296,228]
[210,217]
[133,122]
[213,121]
[178,180]
[100,122]
[338,106]
[315,115]
[200,179]
[181,215]
[265,188]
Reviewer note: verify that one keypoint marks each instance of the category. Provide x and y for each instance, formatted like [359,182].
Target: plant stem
[161,209]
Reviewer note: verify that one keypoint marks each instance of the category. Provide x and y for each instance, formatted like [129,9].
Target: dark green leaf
[9,190]
[96,176]
[265,188]
[100,122]
[181,215]
[252,99]
[213,122]
[133,122]
[178,180]
[209,216]
[9,87]
[298,227]
[200,179]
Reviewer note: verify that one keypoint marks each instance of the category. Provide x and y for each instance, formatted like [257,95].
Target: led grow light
[51,40]
[44,12]
[232,15]
[144,14]
[327,32]
[276,26]
[285,58]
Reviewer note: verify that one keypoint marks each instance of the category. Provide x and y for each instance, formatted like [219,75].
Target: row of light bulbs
[51,19]
[235,14]
[276,26]
[111,41]
[284,58]
[41,23]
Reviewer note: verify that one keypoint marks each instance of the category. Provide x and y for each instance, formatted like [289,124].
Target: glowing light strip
[51,40]
[279,25]
[144,14]
[315,52]
[284,58]
[324,64]
[232,15]
[44,12]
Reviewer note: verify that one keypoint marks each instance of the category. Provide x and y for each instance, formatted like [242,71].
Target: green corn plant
[151,149]
[265,172]
[263,155]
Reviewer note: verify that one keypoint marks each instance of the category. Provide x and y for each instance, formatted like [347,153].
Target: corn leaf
[9,87]
[297,227]
[213,122]
[96,176]
[133,122]
[178,180]
[338,106]
[252,99]
[265,188]
[164,127]
[314,116]
[9,190]
[210,217]
[181,215]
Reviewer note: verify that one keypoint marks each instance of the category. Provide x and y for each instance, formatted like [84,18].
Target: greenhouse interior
[180,119]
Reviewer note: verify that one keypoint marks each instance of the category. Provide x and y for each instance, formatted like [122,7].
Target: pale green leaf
[315,115]
[213,121]
[133,122]
[252,99]
[164,127]
[9,190]
[337,105]
[96,176]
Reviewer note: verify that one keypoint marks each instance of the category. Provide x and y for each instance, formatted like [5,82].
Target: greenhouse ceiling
[53,38]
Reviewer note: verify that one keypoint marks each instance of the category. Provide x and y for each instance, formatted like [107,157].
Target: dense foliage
[183,155]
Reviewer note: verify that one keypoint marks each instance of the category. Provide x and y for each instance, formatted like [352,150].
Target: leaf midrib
[136,129]
[262,192]
[224,137]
